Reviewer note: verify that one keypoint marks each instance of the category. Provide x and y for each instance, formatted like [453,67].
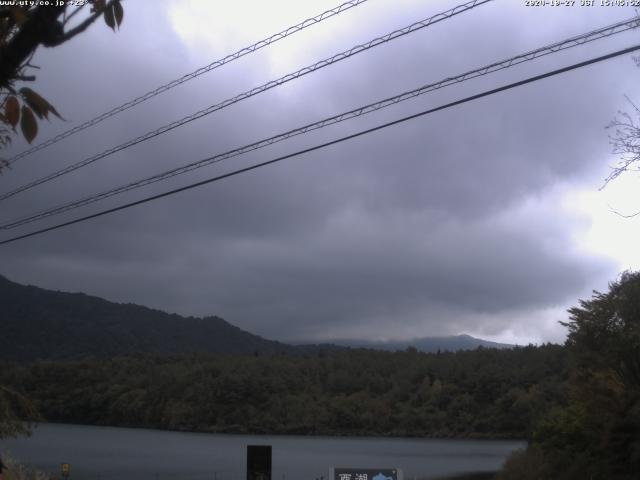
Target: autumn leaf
[118,12]
[38,104]
[28,124]
[12,110]
[19,15]
[53,110]
[109,18]
[98,5]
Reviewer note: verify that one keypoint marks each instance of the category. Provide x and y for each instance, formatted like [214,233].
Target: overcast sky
[484,219]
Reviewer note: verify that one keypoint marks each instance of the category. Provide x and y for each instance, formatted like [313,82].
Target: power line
[593,35]
[329,143]
[190,76]
[254,91]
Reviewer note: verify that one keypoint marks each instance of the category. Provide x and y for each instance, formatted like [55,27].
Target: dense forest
[596,435]
[481,393]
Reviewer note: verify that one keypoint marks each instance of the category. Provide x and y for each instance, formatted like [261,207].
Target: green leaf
[109,18]
[12,110]
[118,12]
[28,124]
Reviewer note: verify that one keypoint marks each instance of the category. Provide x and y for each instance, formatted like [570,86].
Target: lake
[106,453]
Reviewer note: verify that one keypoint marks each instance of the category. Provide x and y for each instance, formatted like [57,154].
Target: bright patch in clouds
[610,234]
[536,327]
[220,28]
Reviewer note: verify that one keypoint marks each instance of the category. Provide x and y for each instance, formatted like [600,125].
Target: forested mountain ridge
[40,324]
[45,324]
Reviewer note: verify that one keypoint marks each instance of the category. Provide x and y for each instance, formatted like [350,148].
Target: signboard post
[258,462]
[365,474]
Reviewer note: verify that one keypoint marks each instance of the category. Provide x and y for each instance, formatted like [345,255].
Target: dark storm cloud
[427,228]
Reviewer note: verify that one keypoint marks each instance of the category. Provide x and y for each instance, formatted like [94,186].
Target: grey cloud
[415,230]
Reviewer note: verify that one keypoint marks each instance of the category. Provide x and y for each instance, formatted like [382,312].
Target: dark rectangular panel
[258,462]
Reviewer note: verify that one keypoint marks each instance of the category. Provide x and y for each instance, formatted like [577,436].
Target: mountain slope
[43,324]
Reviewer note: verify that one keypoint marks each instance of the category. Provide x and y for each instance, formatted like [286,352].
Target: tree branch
[41,28]
[613,210]
[72,14]
[38,29]
[82,26]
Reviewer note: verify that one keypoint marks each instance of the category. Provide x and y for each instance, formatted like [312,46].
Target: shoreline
[363,435]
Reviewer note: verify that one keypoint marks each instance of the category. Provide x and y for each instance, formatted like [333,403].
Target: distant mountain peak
[433,344]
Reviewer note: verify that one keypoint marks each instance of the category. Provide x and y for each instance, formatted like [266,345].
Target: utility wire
[190,76]
[574,41]
[327,144]
[254,91]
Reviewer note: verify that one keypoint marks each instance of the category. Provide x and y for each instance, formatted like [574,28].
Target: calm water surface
[108,453]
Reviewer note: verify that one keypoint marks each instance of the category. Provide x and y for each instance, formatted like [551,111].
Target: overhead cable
[190,76]
[327,144]
[254,91]
[574,41]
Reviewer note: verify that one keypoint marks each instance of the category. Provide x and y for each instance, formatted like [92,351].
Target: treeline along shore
[485,393]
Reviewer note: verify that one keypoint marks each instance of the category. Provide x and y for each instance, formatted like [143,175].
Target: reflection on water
[106,453]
